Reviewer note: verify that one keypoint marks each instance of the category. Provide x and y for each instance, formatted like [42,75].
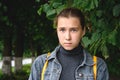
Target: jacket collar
[88,60]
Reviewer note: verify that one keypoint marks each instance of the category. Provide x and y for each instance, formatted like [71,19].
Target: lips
[67,44]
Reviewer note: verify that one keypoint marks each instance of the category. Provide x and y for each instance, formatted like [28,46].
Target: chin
[68,48]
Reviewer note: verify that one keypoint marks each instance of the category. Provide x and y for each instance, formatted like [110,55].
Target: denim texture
[82,72]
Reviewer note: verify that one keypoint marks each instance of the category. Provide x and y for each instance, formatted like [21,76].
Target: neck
[77,50]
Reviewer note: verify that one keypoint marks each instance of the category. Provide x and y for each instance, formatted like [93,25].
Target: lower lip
[67,44]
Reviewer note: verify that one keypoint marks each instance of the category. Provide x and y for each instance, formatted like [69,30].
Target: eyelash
[73,30]
[63,30]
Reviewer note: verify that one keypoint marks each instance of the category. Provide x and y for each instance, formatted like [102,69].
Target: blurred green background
[27,30]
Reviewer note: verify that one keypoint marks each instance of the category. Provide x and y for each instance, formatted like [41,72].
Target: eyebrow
[70,27]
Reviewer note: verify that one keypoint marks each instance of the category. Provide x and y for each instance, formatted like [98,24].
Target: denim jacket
[83,72]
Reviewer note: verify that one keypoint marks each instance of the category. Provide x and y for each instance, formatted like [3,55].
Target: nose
[67,35]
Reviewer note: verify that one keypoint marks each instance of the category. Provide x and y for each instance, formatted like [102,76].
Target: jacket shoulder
[39,61]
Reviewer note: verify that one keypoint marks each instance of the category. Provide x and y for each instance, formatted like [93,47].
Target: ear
[84,31]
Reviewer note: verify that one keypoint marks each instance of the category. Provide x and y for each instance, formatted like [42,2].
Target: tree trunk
[6,67]
[19,48]
[18,63]
[33,57]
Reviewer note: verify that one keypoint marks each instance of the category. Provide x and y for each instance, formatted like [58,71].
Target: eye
[74,30]
[62,29]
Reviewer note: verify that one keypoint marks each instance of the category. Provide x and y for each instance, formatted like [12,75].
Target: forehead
[68,21]
[68,18]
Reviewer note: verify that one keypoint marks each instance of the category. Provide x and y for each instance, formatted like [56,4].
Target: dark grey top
[70,60]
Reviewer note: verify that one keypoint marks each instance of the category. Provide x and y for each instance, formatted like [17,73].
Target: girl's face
[70,32]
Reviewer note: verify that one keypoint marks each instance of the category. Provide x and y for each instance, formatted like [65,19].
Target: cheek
[77,37]
[59,36]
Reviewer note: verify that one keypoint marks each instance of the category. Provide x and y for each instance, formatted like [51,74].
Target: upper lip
[67,43]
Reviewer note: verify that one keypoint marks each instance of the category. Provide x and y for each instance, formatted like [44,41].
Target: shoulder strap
[95,67]
[44,67]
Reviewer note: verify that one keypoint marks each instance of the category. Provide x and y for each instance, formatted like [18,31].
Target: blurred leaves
[103,17]
[116,10]
[104,21]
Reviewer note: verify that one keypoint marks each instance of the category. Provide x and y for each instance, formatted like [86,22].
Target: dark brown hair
[71,12]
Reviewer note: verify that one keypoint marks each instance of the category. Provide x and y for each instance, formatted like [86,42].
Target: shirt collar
[88,60]
[53,54]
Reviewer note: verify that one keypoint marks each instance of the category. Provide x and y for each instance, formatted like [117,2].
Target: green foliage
[85,5]
[51,10]
[20,75]
[103,22]
[5,77]
[116,10]
[114,61]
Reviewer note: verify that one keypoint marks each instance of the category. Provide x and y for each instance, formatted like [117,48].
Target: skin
[69,32]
